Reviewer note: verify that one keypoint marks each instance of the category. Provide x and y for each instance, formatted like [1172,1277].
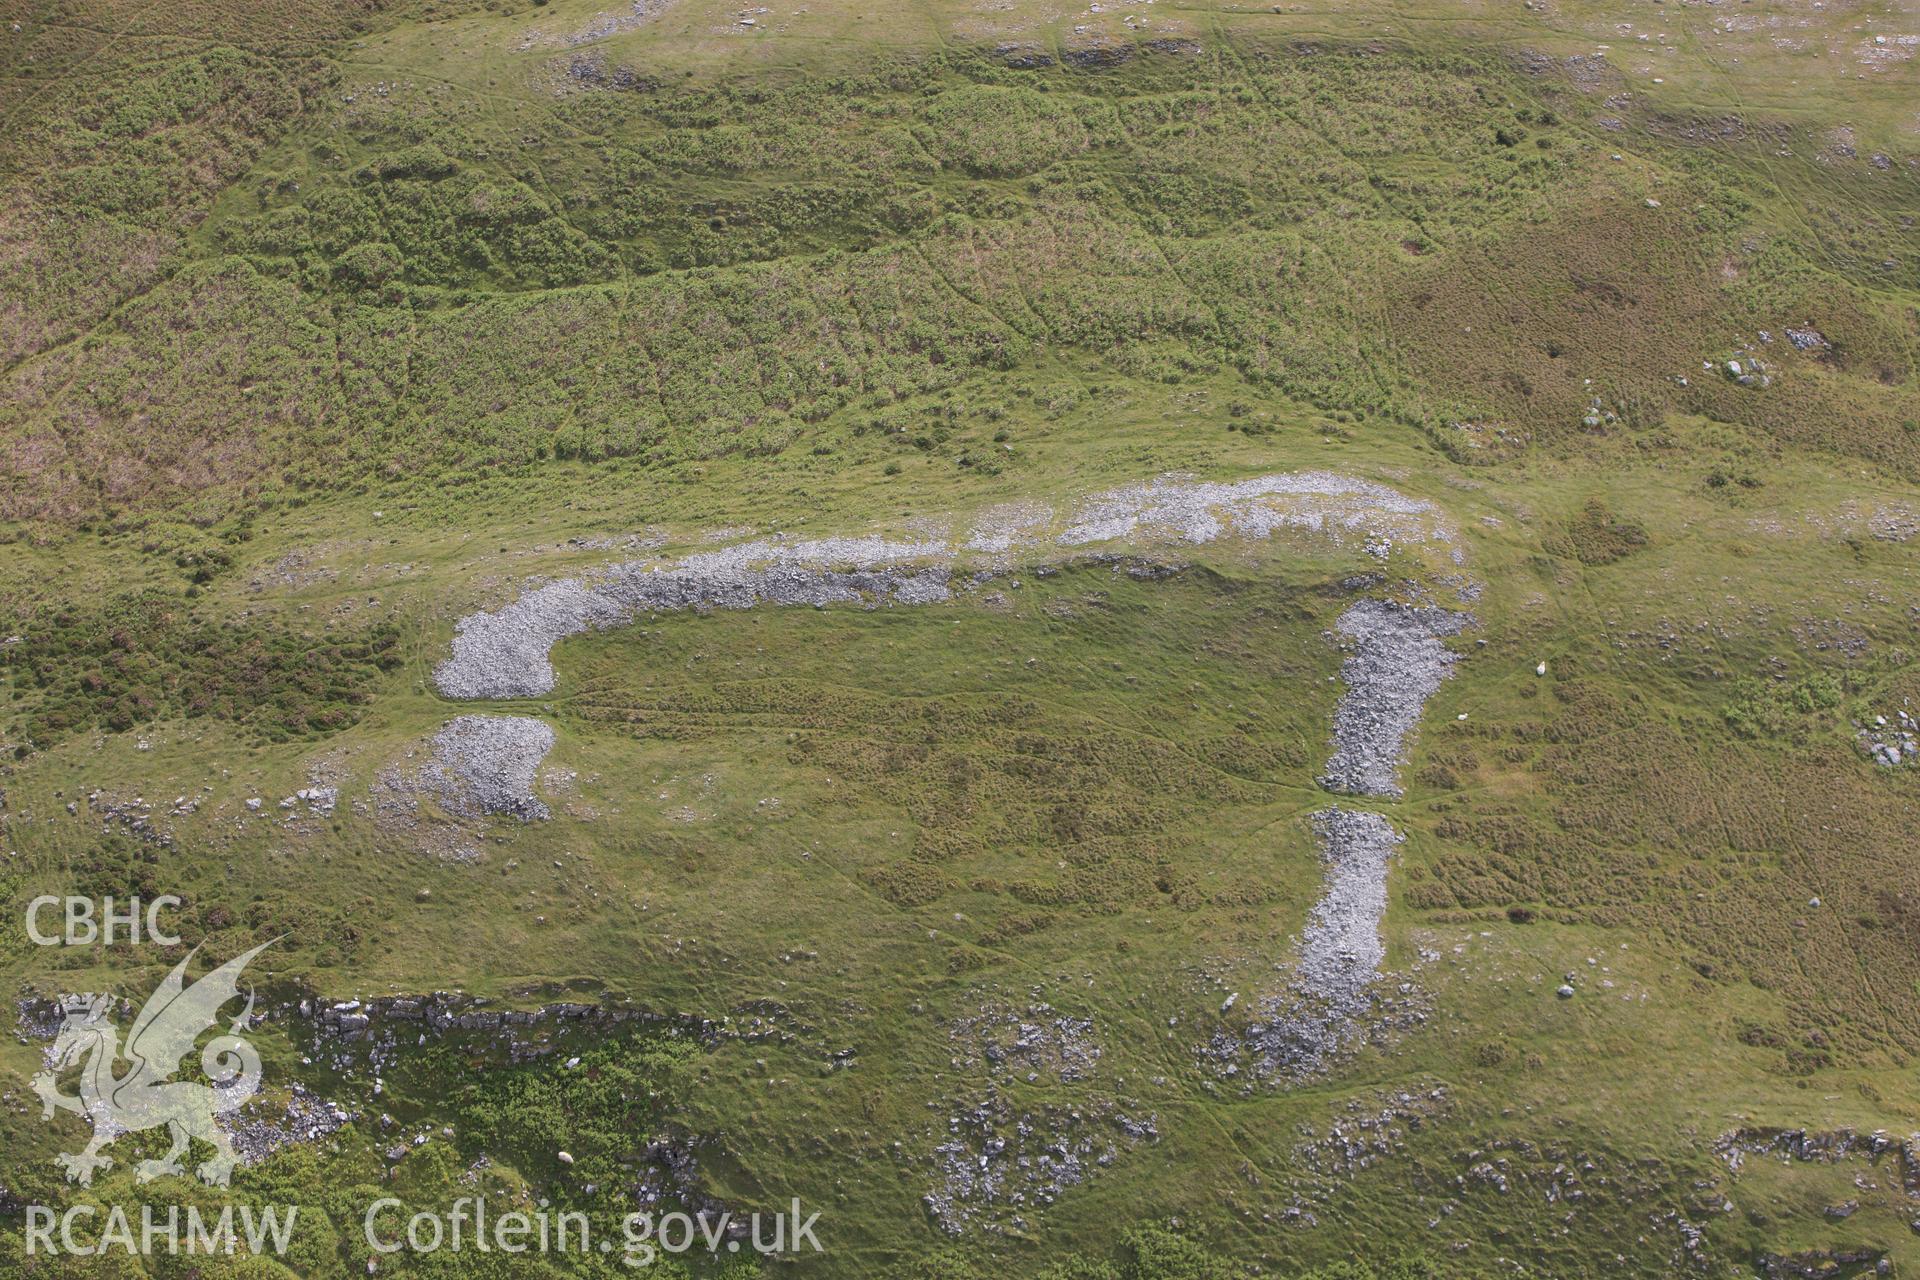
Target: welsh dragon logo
[144,1097]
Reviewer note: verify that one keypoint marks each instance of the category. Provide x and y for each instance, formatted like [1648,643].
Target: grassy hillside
[324,326]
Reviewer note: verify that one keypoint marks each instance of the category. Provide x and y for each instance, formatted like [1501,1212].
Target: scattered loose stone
[1329,1001]
[1398,663]
[1890,742]
[486,764]
[1038,1041]
[504,653]
[997,1163]
[474,767]
[305,1117]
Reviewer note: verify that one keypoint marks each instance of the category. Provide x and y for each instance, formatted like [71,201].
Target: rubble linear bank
[504,653]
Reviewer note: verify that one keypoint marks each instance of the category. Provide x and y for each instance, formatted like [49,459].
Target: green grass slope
[325,325]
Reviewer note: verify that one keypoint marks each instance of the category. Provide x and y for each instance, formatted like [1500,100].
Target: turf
[324,325]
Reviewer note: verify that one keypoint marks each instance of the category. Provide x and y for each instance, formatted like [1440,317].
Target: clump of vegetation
[1768,708]
[621,1088]
[1597,536]
[996,132]
[143,657]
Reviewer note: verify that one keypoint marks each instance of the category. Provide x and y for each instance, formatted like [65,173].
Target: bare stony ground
[1329,1001]
[610,22]
[505,653]
[999,1163]
[1340,950]
[1398,663]
[1338,506]
[475,767]
[261,1127]
[997,1159]
[486,765]
[1029,1043]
